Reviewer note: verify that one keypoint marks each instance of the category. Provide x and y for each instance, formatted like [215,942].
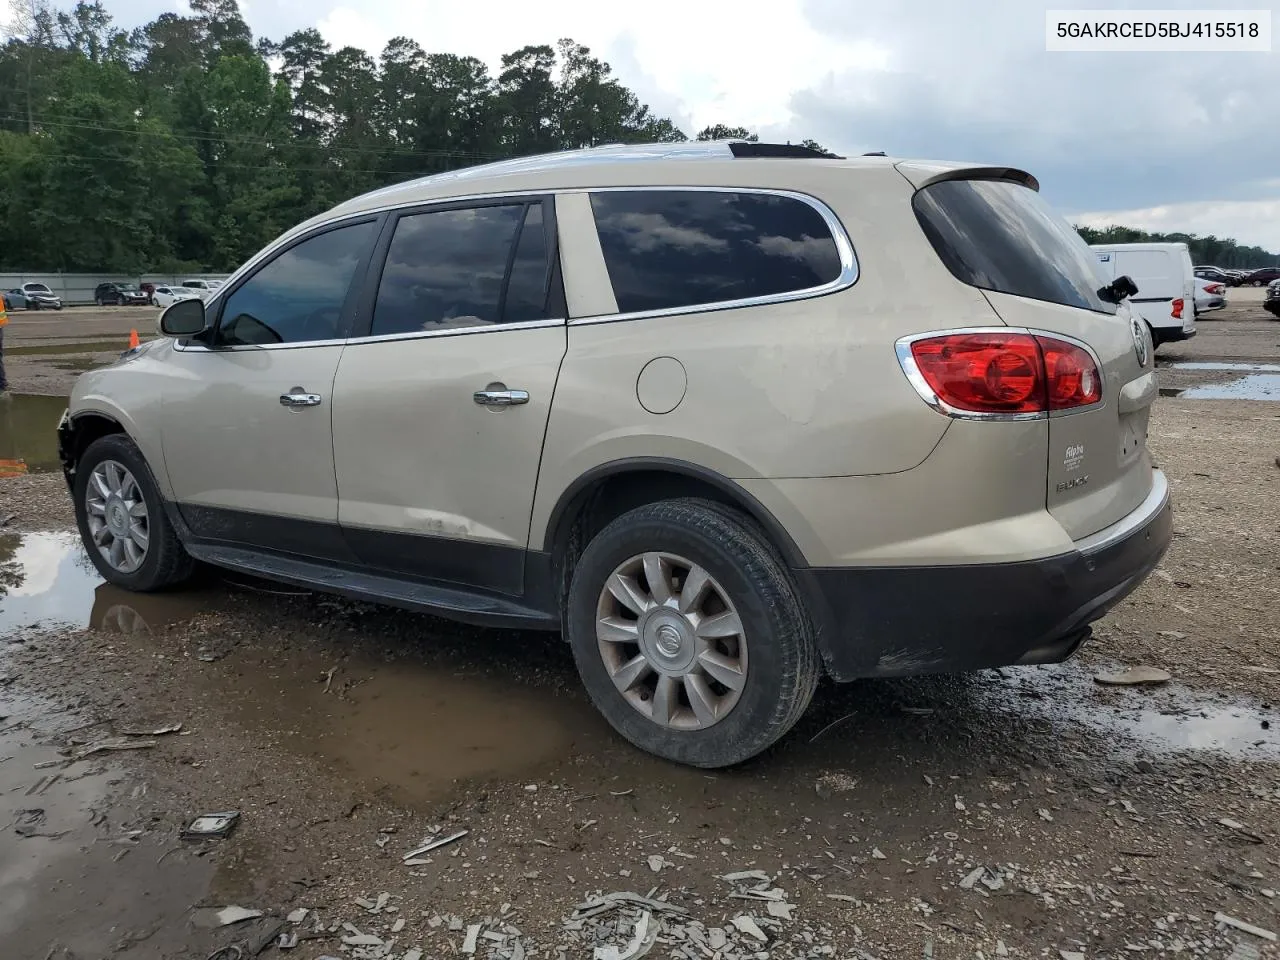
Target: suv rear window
[1002,236]
[668,249]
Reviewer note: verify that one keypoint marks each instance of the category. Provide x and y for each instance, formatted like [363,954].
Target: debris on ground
[112,743]
[158,732]
[211,826]
[1134,677]
[427,847]
[229,915]
[1244,927]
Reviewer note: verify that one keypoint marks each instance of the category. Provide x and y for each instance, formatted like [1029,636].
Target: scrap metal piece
[434,844]
[211,826]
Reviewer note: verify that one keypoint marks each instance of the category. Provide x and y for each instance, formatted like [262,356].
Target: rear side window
[1004,237]
[464,267]
[668,249]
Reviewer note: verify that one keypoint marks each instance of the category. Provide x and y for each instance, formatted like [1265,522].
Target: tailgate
[1099,469]
[993,231]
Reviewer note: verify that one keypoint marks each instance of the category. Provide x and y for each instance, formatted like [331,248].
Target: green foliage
[174,146]
[1210,250]
[718,131]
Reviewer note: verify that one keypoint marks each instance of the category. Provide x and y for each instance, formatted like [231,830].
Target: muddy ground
[1110,822]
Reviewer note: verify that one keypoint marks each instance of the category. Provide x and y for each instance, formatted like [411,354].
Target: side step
[451,602]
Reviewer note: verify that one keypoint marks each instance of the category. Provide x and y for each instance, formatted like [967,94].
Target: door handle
[501,398]
[297,397]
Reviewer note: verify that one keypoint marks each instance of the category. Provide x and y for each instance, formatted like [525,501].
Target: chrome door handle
[297,398]
[501,398]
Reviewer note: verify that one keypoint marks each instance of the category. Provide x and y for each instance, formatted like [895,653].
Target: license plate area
[1133,436]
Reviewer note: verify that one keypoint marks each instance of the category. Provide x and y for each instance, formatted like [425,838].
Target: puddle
[1241,367]
[1257,386]
[57,349]
[1167,719]
[417,728]
[46,580]
[29,433]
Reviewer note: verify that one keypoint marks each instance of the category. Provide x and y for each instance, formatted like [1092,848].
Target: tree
[719,131]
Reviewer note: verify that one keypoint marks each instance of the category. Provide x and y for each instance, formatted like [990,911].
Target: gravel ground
[1023,812]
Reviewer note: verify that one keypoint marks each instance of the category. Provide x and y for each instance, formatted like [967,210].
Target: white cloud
[1250,222]
[705,61]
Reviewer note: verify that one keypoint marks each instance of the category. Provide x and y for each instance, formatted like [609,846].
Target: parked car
[635,392]
[203,288]
[39,297]
[1218,275]
[1272,301]
[1166,285]
[119,294]
[1262,276]
[1210,295]
[165,296]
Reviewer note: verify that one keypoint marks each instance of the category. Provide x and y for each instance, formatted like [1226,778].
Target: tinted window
[530,273]
[1002,236]
[448,269]
[298,296]
[680,248]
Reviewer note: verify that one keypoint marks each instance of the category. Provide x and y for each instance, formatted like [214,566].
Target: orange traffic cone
[133,339]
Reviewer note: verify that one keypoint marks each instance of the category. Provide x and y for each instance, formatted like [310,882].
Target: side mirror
[183,318]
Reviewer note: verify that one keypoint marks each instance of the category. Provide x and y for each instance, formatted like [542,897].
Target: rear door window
[1002,236]
[465,267]
[668,249]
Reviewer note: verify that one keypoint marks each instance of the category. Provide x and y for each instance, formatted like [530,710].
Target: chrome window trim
[847,277]
[907,361]
[844,246]
[383,338]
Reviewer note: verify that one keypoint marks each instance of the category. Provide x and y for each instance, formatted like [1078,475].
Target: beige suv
[731,416]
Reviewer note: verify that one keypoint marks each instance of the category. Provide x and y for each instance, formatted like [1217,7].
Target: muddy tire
[122,520]
[730,661]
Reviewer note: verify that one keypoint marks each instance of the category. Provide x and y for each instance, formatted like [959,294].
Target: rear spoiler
[923,174]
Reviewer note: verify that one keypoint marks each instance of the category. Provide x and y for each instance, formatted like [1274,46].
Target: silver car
[731,416]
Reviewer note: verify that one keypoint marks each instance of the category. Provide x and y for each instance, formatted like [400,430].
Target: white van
[1163,274]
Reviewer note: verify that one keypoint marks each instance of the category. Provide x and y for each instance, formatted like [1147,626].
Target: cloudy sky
[1186,141]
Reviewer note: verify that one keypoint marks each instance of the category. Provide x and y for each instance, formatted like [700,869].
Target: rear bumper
[898,621]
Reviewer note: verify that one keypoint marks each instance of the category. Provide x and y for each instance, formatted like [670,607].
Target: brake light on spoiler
[1005,374]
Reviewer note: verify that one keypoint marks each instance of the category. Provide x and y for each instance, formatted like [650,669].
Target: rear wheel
[689,634]
[122,520]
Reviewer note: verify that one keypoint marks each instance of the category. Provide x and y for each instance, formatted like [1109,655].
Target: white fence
[79,287]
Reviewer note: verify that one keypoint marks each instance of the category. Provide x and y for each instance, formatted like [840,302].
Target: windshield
[37,288]
[1002,236]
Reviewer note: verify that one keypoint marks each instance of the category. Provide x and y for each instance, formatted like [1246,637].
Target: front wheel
[122,521]
[689,634]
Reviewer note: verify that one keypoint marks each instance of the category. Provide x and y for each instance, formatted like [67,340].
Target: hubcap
[671,641]
[117,513]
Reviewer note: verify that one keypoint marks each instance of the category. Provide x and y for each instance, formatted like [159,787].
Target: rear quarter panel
[806,388]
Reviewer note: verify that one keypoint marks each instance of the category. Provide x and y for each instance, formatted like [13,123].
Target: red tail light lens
[1214,288]
[1006,373]
[1070,373]
[1177,308]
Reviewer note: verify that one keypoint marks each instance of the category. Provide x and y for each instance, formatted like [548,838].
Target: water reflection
[29,433]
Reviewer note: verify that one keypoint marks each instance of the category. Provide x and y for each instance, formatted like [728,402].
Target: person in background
[4,319]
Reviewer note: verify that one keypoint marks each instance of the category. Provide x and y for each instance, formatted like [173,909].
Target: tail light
[1214,288]
[1177,308]
[996,374]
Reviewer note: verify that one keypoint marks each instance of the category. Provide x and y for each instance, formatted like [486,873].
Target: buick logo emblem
[1139,342]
